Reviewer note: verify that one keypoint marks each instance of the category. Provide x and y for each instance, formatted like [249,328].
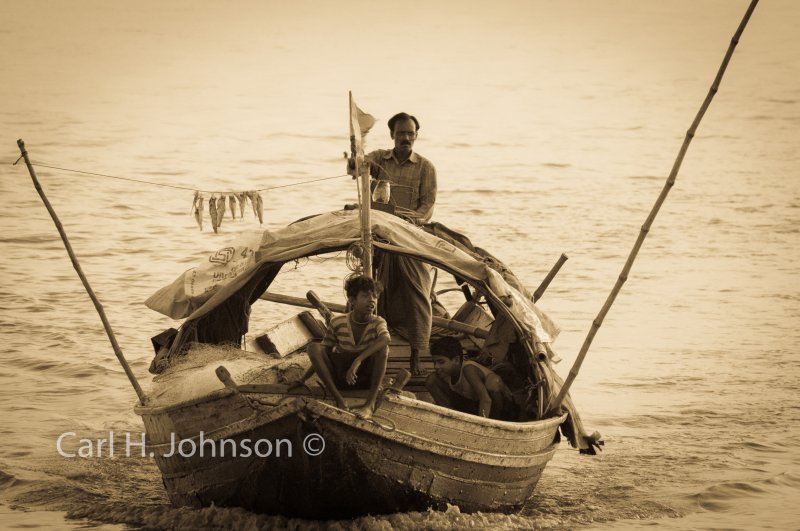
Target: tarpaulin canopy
[226,271]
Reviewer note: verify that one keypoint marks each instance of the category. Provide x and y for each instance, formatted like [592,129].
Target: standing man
[412,176]
[406,300]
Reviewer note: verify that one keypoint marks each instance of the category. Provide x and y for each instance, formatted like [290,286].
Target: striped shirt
[339,334]
[413,180]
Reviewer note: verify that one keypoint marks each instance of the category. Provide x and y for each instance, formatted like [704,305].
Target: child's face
[446,367]
[364,302]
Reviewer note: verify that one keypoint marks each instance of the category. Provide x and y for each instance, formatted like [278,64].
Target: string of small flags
[219,202]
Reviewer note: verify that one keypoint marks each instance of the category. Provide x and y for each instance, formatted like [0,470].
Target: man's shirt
[413,181]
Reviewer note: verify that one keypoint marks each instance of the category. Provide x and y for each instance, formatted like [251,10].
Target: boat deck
[400,358]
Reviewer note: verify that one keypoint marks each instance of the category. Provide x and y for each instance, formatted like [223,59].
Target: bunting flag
[360,124]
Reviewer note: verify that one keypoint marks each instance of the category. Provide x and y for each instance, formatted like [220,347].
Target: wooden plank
[284,338]
[339,308]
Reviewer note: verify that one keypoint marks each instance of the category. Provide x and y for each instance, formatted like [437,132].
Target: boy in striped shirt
[355,349]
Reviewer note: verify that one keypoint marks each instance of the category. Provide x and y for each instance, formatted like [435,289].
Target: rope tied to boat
[390,426]
[354,259]
[218,203]
[166,185]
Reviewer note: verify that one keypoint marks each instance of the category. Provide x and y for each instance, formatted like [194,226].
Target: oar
[77,266]
[315,301]
[573,373]
[226,378]
[455,326]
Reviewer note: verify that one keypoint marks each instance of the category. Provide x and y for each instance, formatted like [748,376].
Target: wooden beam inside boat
[449,324]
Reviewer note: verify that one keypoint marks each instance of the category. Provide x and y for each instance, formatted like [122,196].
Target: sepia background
[552,125]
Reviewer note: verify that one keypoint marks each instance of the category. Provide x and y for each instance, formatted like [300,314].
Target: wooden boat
[411,455]
[422,455]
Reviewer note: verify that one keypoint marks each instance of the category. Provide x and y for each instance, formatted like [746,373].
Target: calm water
[552,127]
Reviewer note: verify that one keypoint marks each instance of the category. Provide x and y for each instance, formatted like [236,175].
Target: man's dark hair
[402,116]
[447,346]
[355,285]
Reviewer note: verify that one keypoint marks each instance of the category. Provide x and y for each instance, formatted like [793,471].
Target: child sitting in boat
[465,385]
[355,349]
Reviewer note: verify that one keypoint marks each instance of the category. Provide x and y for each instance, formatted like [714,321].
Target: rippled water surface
[552,126]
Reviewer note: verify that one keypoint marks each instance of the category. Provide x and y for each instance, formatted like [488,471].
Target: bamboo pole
[549,278]
[362,179]
[366,224]
[573,373]
[77,266]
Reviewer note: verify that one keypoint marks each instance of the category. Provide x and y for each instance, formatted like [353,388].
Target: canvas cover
[202,288]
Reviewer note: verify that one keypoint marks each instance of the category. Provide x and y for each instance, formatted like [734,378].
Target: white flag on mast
[360,124]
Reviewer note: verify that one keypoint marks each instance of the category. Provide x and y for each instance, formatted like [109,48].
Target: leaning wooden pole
[77,266]
[573,373]
[549,278]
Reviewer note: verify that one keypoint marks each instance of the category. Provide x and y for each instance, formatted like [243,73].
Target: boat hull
[413,455]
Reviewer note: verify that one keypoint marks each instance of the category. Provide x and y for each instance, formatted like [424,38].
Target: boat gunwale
[320,406]
[452,414]
[412,441]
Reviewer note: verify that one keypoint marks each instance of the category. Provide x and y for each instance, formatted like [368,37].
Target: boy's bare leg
[378,371]
[322,365]
[498,405]
[415,368]
[499,395]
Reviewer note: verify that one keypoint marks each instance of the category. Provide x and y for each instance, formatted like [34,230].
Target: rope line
[177,187]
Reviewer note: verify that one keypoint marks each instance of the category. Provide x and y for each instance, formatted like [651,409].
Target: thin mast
[362,176]
[77,266]
[573,373]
